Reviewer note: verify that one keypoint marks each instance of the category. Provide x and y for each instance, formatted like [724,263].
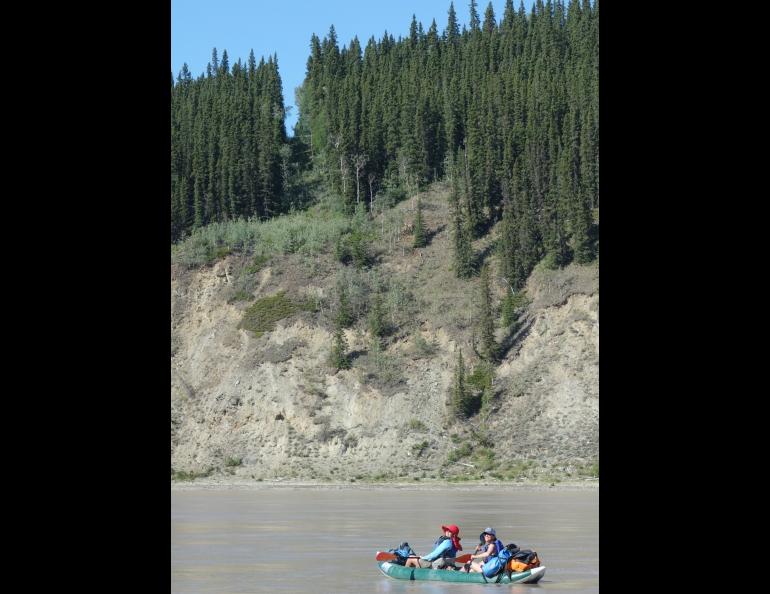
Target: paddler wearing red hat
[444,551]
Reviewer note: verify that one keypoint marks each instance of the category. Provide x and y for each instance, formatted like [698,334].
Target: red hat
[452,528]
[455,538]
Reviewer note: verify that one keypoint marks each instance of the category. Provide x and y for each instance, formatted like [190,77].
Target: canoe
[399,572]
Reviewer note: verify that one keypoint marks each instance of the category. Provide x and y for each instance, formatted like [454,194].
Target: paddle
[382,556]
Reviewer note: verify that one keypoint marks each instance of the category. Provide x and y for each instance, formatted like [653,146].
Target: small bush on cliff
[419,448]
[479,383]
[416,425]
[381,369]
[463,451]
[422,348]
[264,313]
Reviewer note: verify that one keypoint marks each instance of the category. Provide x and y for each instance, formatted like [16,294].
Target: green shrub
[377,324]
[479,385]
[516,469]
[419,448]
[416,425]
[484,458]
[481,377]
[399,299]
[354,247]
[463,451]
[482,437]
[381,369]
[589,470]
[261,316]
[422,348]
[307,232]
[394,194]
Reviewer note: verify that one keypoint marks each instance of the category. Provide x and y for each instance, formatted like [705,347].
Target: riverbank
[260,401]
[423,485]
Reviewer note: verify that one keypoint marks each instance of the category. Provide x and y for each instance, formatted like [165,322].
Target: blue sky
[285,27]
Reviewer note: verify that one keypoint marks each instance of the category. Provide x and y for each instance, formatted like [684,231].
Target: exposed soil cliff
[269,406]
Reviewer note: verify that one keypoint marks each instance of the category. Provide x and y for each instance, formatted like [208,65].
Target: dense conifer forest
[506,109]
[227,143]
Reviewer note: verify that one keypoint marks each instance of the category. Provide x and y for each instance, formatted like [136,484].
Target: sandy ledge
[235,484]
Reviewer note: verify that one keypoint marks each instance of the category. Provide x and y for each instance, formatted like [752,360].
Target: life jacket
[496,561]
[452,552]
[499,546]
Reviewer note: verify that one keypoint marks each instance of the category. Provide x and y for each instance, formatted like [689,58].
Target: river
[322,540]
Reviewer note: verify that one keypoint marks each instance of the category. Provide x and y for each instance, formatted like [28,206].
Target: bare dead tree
[359,161]
[344,171]
[508,284]
[371,178]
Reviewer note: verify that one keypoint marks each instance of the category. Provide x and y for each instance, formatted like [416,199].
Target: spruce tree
[224,67]
[508,310]
[489,347]
[508,16]
[508,243]
[474,16]
[344,317]
[462,235]
[489,20]
[338,358]
[376,322]
[413,37]
[460,400]
[214,61]
[452,31]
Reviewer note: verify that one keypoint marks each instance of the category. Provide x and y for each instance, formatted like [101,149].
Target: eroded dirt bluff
[269,406]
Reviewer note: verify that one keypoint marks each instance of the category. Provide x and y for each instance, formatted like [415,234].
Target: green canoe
[399,572]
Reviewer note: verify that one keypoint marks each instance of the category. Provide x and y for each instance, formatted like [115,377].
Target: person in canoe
[444,551]
[486,551]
